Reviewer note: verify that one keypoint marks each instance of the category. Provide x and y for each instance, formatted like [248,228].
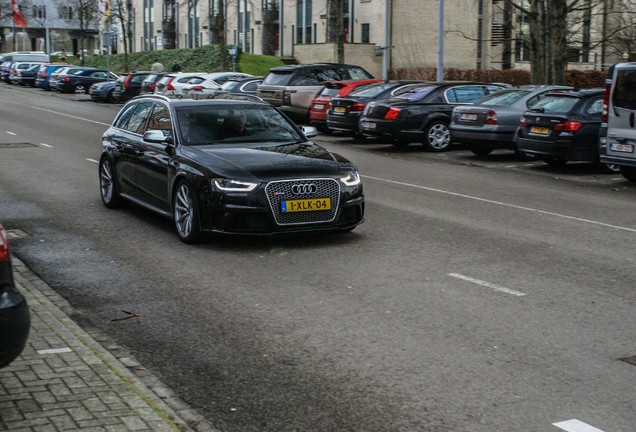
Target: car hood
[269,161]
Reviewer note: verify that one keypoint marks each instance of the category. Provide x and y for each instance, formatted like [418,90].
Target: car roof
[194,99]
[291,68]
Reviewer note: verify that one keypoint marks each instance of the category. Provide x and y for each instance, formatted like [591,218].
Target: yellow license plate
[339,109]
[315,204]
[540,130]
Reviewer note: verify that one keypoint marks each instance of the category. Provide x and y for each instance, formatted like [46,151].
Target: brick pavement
[67,380]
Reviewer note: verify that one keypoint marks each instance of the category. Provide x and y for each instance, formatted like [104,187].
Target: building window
[303,21]
[366,31]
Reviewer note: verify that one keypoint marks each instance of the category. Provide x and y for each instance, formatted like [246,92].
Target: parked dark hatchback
[130,86]
[149,83]
[564,127]
[226,166]
[15,318]
[245,85]
[344,113]
[422,113]
[81,82]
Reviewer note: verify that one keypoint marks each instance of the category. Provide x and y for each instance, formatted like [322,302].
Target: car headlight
[352,179]
[229,185]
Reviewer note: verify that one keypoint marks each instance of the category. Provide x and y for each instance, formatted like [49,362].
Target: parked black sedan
[81,82]
[564,127]
[422,113]
[15,318]
[226,165]
[344,113]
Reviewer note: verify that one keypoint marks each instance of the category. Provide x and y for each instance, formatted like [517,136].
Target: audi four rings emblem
[304,189]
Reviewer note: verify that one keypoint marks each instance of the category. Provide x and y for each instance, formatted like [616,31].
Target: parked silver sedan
[492,122]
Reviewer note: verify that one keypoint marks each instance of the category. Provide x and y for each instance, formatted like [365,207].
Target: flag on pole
[104,7]
[18,19]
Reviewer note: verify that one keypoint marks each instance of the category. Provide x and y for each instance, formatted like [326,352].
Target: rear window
[371,90]
[503,98]
[278,78]
[625,89]
[557,104]
[330,91]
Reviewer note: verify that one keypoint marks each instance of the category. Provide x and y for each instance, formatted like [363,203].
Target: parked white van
[618,131]
[26,56]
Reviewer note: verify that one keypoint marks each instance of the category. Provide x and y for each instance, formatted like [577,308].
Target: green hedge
[206,59]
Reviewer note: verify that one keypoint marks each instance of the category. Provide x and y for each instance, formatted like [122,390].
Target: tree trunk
[559,16]
[538,57]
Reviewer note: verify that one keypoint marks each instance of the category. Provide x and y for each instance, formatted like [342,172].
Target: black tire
[555,162]
[437,137]
[185,212]
[80,89]
[479,150]
[629,172]
[108,186]
[110,98]
[608,168]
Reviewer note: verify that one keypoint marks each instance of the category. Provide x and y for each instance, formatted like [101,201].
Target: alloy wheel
[80,89]
[183,211]
[437,137]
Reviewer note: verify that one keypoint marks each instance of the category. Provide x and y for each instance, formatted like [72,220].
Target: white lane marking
[46,145]
[487,284]
[575,425]
[12,133]
[68,115]
[55,350]
[618,227]
[92,160]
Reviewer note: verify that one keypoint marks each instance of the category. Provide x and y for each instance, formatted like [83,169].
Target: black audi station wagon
[226,164]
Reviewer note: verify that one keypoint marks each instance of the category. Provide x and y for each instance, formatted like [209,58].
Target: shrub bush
[514,77]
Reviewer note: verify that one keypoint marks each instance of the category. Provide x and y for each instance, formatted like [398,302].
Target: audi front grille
[279,191]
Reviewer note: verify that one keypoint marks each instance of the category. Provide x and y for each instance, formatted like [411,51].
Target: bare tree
[83,12]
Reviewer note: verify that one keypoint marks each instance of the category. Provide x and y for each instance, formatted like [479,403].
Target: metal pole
[387,42]
[440,42]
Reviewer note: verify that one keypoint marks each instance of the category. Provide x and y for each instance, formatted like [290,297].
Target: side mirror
[156,136]
[309,131]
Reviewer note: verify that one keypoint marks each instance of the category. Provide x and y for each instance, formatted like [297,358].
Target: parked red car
[321,103]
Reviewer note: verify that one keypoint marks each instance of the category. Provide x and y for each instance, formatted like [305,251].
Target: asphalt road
[479,295]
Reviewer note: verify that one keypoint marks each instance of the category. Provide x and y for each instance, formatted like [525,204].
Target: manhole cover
[630,360]
[16,233]
[16,145]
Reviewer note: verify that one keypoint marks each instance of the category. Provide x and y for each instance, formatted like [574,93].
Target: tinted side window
[595,107]
[122,121]
[250,86]
[305,77]
[138,118]
[625,89]
[278,78]
[160,119]
[464,94]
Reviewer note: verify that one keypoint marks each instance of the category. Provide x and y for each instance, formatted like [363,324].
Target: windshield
[214,124]
[503,98]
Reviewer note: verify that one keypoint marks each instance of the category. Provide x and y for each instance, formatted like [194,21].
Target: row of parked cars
[555,124]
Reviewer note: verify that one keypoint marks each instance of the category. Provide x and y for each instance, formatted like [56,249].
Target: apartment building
[52,26]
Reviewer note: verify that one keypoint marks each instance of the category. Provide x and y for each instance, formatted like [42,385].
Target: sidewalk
[66,380]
